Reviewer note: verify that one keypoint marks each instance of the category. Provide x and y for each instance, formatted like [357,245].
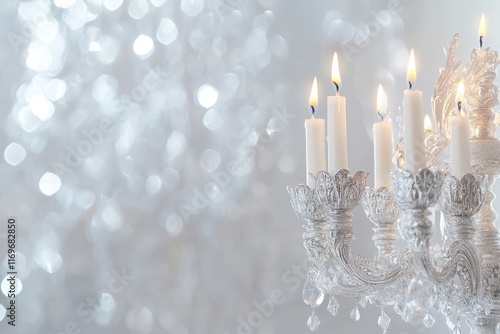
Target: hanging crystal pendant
[313,322]
[399,308]
[355,313]
[407,314]
[333,306]
[364,301]
[449,322]
[312,295]
[429,321]
[384,320]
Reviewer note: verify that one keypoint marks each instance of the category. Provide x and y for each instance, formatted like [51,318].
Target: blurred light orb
[229,85]
[49,260]
[207,96]
[85,198]
[7,284]
[112,218]
[167,31]
[47,31]
[39,58]
[210,160]
[174,224]
[75,17]
[143,46]
[41,107]
[137,9]
[2,312]
[112,5]
[176,144]
[55,89]
[49,184]
[14,154]
[213,119]
[109,48]
[27,120]
[157,3]
[56,49]
[192,7]
[107,302]
[64,3]
[198,39]
[95,46]
[153,184]
[104,89]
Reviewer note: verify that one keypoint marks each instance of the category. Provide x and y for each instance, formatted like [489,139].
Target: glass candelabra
[460,278]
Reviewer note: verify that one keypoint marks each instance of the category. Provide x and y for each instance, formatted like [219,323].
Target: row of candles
[335,154]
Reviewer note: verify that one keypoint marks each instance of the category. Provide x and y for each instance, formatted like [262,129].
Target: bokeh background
[147,145]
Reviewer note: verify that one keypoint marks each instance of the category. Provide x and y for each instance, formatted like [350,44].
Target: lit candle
[459,146]
[413,122]
[315,139]
[382,142]
[482,31]
[336,124]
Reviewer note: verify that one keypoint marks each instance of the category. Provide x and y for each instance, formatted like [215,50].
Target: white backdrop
[148,144]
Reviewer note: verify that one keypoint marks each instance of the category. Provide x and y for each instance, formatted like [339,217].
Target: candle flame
[460,92]
[460,95]
[381,101]
[427,123]
[412,72]
[336,72]
[482,27]
[313,98]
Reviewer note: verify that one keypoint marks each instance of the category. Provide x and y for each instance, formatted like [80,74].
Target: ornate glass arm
[322,275]
[367,272]
[459,200]
[339,194]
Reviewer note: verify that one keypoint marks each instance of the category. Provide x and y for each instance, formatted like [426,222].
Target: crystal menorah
[459,278]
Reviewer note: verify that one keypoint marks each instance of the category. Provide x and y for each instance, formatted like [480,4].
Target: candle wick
[380,115]
[409,83]
[313,111]
[459,106]
[336,86]
[480,42]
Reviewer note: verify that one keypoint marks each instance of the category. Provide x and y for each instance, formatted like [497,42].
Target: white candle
[382,143]
[315,140]
[413,123]
[336,124]
[459,146]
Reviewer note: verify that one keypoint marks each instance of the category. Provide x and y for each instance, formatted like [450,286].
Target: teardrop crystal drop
[312,295]
[306,291]
[333,306]
[355,313]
